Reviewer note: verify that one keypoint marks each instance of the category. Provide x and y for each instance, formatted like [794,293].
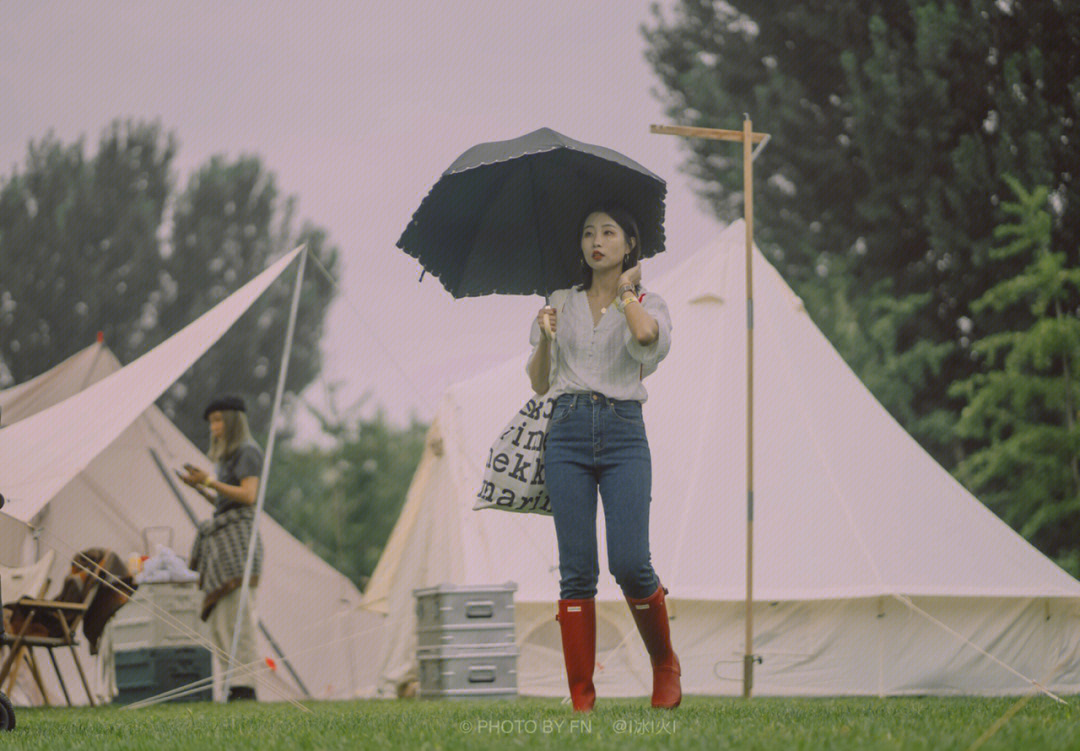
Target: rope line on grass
[248,669]
[1034,683]
[161,614]
[846,506]
[1011,712]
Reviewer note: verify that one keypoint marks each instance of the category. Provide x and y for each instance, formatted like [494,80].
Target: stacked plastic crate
[465,641]
[157,638]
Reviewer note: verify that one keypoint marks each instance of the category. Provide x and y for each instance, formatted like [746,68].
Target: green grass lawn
[701,723]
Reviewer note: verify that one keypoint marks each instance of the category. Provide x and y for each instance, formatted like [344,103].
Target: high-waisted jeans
[595,442]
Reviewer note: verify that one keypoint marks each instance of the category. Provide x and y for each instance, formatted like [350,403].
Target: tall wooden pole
[748,139]
[748,220]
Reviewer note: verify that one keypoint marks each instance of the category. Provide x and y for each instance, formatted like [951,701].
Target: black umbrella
[504,218]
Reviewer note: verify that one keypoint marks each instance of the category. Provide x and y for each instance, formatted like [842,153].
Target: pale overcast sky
[357,107]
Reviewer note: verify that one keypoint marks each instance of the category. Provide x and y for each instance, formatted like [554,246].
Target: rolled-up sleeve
[534,334]
[249,461]
[650,355]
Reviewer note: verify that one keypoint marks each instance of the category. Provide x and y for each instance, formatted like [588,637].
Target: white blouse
[605,358]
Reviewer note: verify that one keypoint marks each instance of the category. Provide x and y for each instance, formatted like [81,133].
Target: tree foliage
[342,501]
[1022,405]
[79,251]
[227,226]
[891,123]
[103,242]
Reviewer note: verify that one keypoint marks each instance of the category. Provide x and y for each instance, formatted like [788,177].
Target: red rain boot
[650,615]
[577,620]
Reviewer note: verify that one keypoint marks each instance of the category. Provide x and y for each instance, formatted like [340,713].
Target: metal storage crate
[465,641]
[140,624]
[143,673]
[449,605]
[462,673]
[479,636]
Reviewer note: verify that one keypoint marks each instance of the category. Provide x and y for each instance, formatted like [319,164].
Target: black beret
[229,401]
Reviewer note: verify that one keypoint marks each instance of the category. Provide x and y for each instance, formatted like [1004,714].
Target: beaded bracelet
[622,302]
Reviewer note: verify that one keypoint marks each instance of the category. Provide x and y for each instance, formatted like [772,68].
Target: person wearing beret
[220,548]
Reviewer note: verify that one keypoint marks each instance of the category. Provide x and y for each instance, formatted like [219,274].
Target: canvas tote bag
[513,478]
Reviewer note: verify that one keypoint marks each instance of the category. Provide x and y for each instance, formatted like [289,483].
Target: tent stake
[748,138]
[249,562]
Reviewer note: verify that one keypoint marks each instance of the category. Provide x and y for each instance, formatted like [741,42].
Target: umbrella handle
[545,324]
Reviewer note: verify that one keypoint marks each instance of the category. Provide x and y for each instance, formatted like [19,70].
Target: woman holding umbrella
[504,219]
[610,335]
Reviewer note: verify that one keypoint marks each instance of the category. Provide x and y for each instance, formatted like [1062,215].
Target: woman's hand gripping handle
[548,321]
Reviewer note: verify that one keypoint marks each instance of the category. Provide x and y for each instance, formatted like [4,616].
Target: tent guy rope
[372,330]
[72,552]
[839,495]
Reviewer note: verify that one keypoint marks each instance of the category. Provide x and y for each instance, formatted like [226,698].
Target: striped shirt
[605,358]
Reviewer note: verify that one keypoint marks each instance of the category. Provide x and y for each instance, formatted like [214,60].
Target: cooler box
[143,673]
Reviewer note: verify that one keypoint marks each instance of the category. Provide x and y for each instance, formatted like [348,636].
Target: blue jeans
[595,442]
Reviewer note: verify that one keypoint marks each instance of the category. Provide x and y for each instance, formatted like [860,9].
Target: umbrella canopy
[504,218]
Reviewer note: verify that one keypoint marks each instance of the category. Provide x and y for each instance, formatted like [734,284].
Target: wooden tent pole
[748,139]
[748,220]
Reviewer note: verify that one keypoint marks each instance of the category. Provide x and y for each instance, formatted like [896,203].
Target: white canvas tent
[106,482]
[875,571]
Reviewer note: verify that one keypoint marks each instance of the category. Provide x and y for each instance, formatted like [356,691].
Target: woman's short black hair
[626,222]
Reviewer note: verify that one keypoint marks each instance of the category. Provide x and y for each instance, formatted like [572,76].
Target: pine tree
[1024,400]
[891,122]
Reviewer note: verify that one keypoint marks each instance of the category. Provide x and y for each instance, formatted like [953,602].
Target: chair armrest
[25,603]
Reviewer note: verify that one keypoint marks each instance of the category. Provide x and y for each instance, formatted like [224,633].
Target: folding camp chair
[26,581]
[50,624]
[29,581]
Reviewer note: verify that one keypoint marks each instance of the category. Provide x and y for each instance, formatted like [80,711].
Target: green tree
[227,225]
[1022,405]
[890,123]
[343,501]
[103,243]
[78,251]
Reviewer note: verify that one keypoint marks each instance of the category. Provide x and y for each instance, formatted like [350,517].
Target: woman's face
[217,424]
[603,242]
